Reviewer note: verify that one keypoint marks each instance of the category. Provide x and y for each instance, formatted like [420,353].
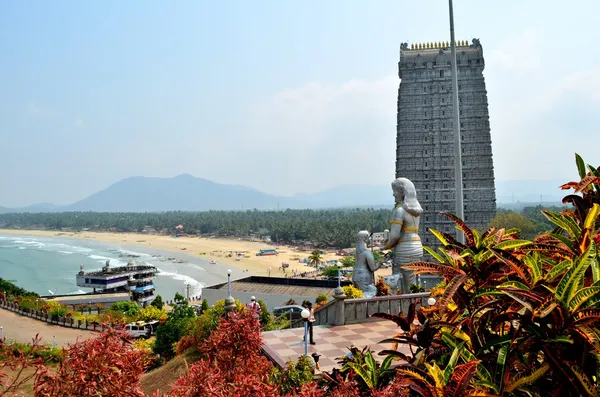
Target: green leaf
[580,166]
[501,365]
[582,296]
[362,373]
[595,270]
[592,215]
[527,378]
[482,373]
[439,236]
[535,267]
[434,254]
[560,339]
[452,363]
[514,284]
[558,269]
[511,244]
[565,223]
[487,291]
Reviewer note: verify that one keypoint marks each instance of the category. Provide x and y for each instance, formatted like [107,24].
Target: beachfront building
[425,134]
[137,280]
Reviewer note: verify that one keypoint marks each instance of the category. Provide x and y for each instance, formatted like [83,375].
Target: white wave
[140,254]
[77,292]
[196,266]
[22,248]
[102,259]
[66,252]
[196,289]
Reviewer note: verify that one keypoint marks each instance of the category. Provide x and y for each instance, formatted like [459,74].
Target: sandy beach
[210,249]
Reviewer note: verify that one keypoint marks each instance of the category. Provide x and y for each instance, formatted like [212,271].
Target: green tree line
[325,228]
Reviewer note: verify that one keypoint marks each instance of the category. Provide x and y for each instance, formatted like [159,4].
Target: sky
[285,97]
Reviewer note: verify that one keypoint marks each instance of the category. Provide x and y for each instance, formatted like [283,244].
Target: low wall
[271,300]
[67,322]
[342,311]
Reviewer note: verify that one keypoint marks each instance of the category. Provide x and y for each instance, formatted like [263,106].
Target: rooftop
[281,286]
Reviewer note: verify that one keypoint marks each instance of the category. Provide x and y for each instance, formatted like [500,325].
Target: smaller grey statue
[403,46]
[403,237]
[363,276]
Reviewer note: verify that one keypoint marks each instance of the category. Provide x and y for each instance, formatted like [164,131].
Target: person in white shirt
[254,307]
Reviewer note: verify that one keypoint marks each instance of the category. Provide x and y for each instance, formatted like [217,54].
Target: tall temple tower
[425,135]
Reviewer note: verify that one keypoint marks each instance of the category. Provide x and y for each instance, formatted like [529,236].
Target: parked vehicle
[142,329]
[292,312]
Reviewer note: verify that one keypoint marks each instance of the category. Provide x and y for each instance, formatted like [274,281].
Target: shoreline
[206,249]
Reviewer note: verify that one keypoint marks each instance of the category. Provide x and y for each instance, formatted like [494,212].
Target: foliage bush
[416,288]
[158,302]
[128,308]
[352,292]
[382,288]
[178,323]
[293,376]
[348,261]
[103,366]
[331,272]
[321,299]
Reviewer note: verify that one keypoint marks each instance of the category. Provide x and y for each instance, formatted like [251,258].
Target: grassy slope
[164,377]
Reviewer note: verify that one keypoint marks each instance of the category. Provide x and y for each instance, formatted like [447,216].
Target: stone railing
[63,321]
[341,311]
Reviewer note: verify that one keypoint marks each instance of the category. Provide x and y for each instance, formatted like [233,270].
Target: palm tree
[315,258]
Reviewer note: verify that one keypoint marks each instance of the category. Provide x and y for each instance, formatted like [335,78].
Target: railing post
[339,296]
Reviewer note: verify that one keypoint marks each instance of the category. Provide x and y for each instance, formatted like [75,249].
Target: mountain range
[188,193]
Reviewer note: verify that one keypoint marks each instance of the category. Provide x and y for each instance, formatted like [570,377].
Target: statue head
[405,193]
[362,236]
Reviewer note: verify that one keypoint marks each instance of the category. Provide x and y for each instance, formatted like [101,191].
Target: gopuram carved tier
[425,134]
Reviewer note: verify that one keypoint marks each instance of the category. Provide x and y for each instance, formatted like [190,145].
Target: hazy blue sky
[283,96]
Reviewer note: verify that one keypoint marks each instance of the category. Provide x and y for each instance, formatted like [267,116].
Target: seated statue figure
[364,267]
[403,236]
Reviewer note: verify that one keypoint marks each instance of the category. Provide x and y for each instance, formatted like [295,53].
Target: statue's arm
[371,261]
[395,229]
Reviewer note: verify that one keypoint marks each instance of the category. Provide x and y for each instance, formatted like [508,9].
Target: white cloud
[78,123]
[323,135]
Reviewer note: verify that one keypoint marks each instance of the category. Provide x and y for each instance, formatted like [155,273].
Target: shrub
[158,302]
[352,292]
[382,288]
[293,376]
[416,288]
[178,323]
[105,366]
[128,308]
[151,313]
[321,299]
[232,364]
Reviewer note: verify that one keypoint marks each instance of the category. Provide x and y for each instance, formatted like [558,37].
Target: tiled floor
[331,341]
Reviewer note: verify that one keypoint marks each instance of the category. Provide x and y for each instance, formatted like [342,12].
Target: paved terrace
[331,342]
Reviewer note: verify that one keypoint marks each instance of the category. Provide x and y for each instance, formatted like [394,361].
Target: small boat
[213,262]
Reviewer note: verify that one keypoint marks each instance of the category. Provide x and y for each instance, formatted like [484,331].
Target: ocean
[48,265]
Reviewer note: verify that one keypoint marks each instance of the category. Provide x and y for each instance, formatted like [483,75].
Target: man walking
[254,307]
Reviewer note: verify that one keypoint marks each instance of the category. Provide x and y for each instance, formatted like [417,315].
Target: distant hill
[180,193]
[188,193]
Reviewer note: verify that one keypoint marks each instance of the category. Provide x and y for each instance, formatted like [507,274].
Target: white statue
[364,266]
[403,236]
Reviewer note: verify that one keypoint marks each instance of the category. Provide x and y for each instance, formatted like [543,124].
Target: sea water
[48,265]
